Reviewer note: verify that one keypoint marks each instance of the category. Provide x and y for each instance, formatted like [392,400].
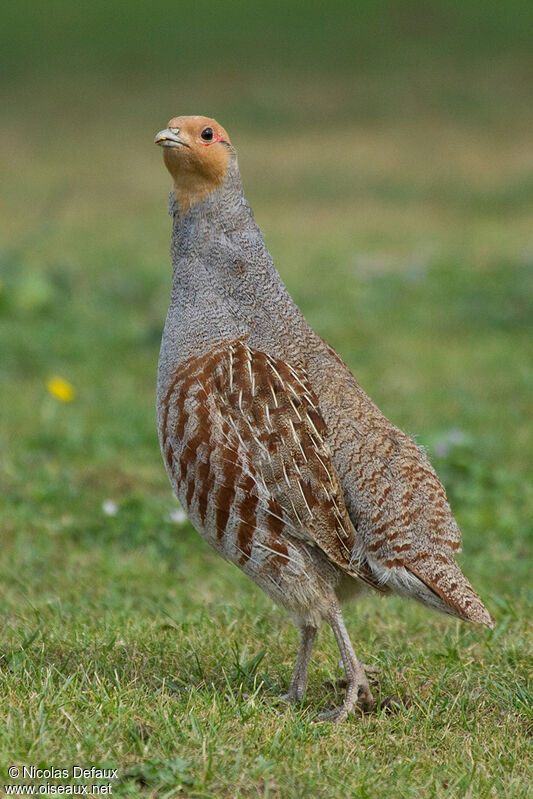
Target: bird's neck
[217,248]
[221,211]
[224,284]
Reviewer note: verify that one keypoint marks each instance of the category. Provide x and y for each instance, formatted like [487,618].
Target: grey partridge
[280,460]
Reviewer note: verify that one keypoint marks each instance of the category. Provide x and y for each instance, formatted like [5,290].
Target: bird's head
[197,152]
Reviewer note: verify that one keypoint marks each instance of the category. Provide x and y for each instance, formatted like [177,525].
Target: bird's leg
[358,690]
[299,676]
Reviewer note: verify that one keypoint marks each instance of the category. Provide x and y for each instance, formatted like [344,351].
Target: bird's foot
[370,669]
[336,715]
[360,700]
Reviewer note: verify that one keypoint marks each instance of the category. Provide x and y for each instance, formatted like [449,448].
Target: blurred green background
[386,149]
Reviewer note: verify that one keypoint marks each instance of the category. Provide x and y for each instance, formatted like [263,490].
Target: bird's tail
[449,583]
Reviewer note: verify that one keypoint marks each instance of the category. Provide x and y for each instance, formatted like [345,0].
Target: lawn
[397,203]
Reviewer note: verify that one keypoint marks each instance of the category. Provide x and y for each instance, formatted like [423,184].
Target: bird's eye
[207,134]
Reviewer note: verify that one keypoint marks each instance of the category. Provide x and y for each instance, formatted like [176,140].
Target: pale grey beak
[165,138]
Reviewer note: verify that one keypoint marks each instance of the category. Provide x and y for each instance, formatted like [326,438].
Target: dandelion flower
[61,389]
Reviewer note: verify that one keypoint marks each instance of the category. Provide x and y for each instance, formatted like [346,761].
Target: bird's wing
[397,503]
[261,416]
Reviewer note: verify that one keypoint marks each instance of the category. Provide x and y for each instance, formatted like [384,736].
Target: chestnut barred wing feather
[244,440]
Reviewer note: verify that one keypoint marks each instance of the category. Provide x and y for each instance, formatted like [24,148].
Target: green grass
[389,163]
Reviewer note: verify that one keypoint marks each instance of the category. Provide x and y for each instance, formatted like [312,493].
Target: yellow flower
[61,389]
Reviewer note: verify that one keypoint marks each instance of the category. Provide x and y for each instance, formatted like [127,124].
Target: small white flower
[178,516]
[109,507]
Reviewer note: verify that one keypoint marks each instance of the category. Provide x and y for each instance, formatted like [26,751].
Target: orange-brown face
[196,153]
